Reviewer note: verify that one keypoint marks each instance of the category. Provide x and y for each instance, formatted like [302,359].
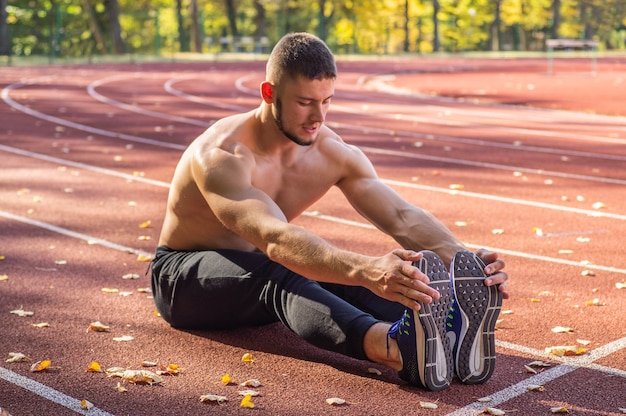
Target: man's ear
[267,92]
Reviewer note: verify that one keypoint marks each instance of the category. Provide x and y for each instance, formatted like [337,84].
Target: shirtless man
[228,255]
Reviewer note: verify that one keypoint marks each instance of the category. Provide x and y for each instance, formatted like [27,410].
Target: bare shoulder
[350,156]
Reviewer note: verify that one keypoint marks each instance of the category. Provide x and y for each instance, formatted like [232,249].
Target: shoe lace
[399,327]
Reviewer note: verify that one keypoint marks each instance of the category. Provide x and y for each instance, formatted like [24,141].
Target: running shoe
[424,347]
[472,319]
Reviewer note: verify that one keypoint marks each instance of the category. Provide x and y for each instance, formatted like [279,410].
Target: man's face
[300,108]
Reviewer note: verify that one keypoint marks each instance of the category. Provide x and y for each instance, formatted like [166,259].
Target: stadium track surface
[509,157]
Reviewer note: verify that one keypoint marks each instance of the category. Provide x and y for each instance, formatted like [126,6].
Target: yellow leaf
[565,350]
[247,402]
[226,379]
[456,186]
[98,327]
[534,300]
[39,366]
[4,278]
[109,290]
[84,404]
[2,258]
[595,302]
[247,358]
[41,325]
[559,410]
[145,224]
[171,369]
[144,258]
[94,367]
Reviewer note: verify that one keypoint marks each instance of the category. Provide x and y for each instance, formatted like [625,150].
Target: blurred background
[93,29]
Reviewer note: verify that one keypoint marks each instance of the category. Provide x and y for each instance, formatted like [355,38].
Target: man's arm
[224,179]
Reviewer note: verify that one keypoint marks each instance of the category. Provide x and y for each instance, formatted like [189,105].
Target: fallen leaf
[123,338]
[493,411]
[538,231]
[598,205]
[539,364]
[535,387]
[460,223]
[94,367]
[428,405]
[375,371]
[622,409]
[144,258]
[109,290]
[534,300]
[21,312]
[213,398]
[595,302]
[251,383]
[335,401]
[85,404]
[148,363]
[583,341]
[4,277]
[145,224]
[247,402]
[530,370]
[497,231]
[456,186]
[252,393]
[226,379]
[120,388]
[40,366]
[562,329]
[131,276]
[171,369]
[565,350]
[247,358]
[139,377]
[483,399]
[41,325]
[587,273]
[620,285]
[98,327]
[16,357]
[566,251]
[559,410]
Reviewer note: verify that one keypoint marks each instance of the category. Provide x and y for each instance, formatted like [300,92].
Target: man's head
[300,54]
[299,85]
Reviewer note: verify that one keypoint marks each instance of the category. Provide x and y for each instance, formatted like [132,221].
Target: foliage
[60,28]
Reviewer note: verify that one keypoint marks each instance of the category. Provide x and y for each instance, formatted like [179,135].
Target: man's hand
[494,270]
[395,278]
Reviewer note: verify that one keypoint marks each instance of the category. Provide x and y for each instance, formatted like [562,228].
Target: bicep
[224,179]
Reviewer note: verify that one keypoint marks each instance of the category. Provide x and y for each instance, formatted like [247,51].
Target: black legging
[225,289]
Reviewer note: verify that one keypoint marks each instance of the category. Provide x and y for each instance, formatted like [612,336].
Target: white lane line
[569,364]
[49,393]
[91,90]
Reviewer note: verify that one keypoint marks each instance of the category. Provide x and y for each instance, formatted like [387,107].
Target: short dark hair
[300,54]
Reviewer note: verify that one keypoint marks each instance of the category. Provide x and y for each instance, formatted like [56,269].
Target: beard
[278,119]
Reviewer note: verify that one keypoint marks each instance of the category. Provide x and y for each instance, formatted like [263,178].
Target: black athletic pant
[225,289]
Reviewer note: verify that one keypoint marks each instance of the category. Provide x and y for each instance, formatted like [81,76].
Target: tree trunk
[231,10]
[183,36]
[556,18]
[5,42]
[260,19]
[113,12]
[196,34]
[94,27]
[436,42]
[494,29]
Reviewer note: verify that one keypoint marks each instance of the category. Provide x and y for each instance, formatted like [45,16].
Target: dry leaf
[171,369]
[145,224]
[144,258]
[131,276]
[123,338]
[493,411]
[559,410]
[376,371]
[598,205]
[335,401]
[251,383]
[583,341]
[98,327]
[247,358]
[535,387]
[213,398]
[21,312]
[539,364]
[252,393]
[4,277]
[456,186]
[497,231]
[565,350]
[620,285]
[595,302]
[109,290]
[538,231]
[120,388]
[40,366]
[148,363]
[16,357]
[226,379]
[483,399]
[530,370]
[428,405]
[562,329]
[622,409]
[247,402]
[94,367]
[140,377]
[41,325]
[587,273]
[85,404]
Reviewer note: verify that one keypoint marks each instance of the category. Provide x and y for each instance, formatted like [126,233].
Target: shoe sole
[434,355]
[479,307]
